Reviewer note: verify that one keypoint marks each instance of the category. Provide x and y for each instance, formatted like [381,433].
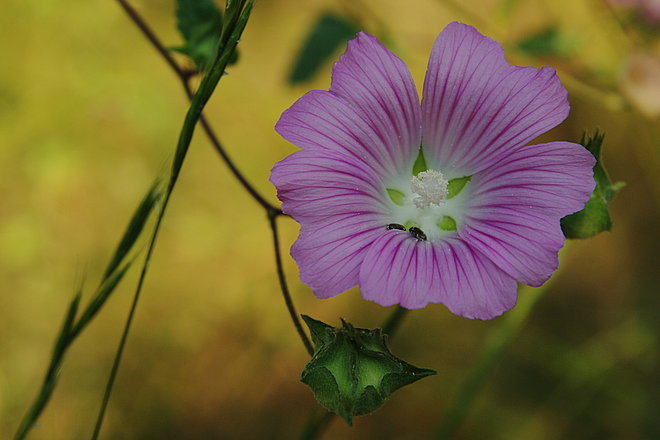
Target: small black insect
[417,233]
[395,226]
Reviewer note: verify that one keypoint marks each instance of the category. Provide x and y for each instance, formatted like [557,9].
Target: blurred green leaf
[62,343]
[549,41]
[327,35]
[200,25]
[353,371]
[505,7]
[595,217]
[102,294]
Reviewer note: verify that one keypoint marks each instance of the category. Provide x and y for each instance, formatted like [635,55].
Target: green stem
[236,22]
[184,78]
[509,326]
[393,321]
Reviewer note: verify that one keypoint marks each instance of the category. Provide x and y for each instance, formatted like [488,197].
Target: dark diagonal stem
[184,77]
[285,288]
[271,210]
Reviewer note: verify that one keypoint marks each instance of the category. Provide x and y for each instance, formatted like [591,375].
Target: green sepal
[353,371]
[595,217]
[455,186]
[420,163]
[396,196]
[447,223]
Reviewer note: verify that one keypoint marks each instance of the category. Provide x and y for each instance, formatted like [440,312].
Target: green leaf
[135,227]
[447,223]
[595,217]
[353,371]
[455,186]
[102,294]
[327,35]
[396,196]
[200,25]
[62,343]
[548,42]
[420,163]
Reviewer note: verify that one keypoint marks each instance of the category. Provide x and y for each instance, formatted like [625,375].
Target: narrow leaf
[103,293]
[327,35]
[135,227]
[62,343]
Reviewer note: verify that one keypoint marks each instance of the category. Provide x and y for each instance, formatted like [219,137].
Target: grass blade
[135,227]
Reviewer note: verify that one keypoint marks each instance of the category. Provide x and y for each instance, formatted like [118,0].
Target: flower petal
[322,120]
[329,253]
[374,80]
[399,269]
[316,184]
[339,203]
[516,205]
[476,106]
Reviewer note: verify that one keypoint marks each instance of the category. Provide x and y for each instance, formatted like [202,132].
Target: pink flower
[441,202]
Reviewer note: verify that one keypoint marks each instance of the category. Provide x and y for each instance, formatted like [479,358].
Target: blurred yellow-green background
[89,115]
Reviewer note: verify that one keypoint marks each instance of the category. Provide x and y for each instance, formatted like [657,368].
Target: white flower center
[429,189]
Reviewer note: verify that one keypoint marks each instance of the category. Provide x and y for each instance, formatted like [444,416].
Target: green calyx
[353,371]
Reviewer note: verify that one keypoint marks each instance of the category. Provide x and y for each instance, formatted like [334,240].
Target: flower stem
[509,326]
[272,218]
[316,425]
[184,77]
[229,40]
[270,209]
[392,322]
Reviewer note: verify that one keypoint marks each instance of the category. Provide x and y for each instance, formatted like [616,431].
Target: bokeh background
[89,115]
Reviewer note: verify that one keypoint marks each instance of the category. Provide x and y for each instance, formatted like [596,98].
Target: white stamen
[429,188]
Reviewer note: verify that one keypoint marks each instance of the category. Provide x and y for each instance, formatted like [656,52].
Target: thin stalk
[285,288]
[184,77]
[271,210]
[316,425]
[227,44]
[393,321]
